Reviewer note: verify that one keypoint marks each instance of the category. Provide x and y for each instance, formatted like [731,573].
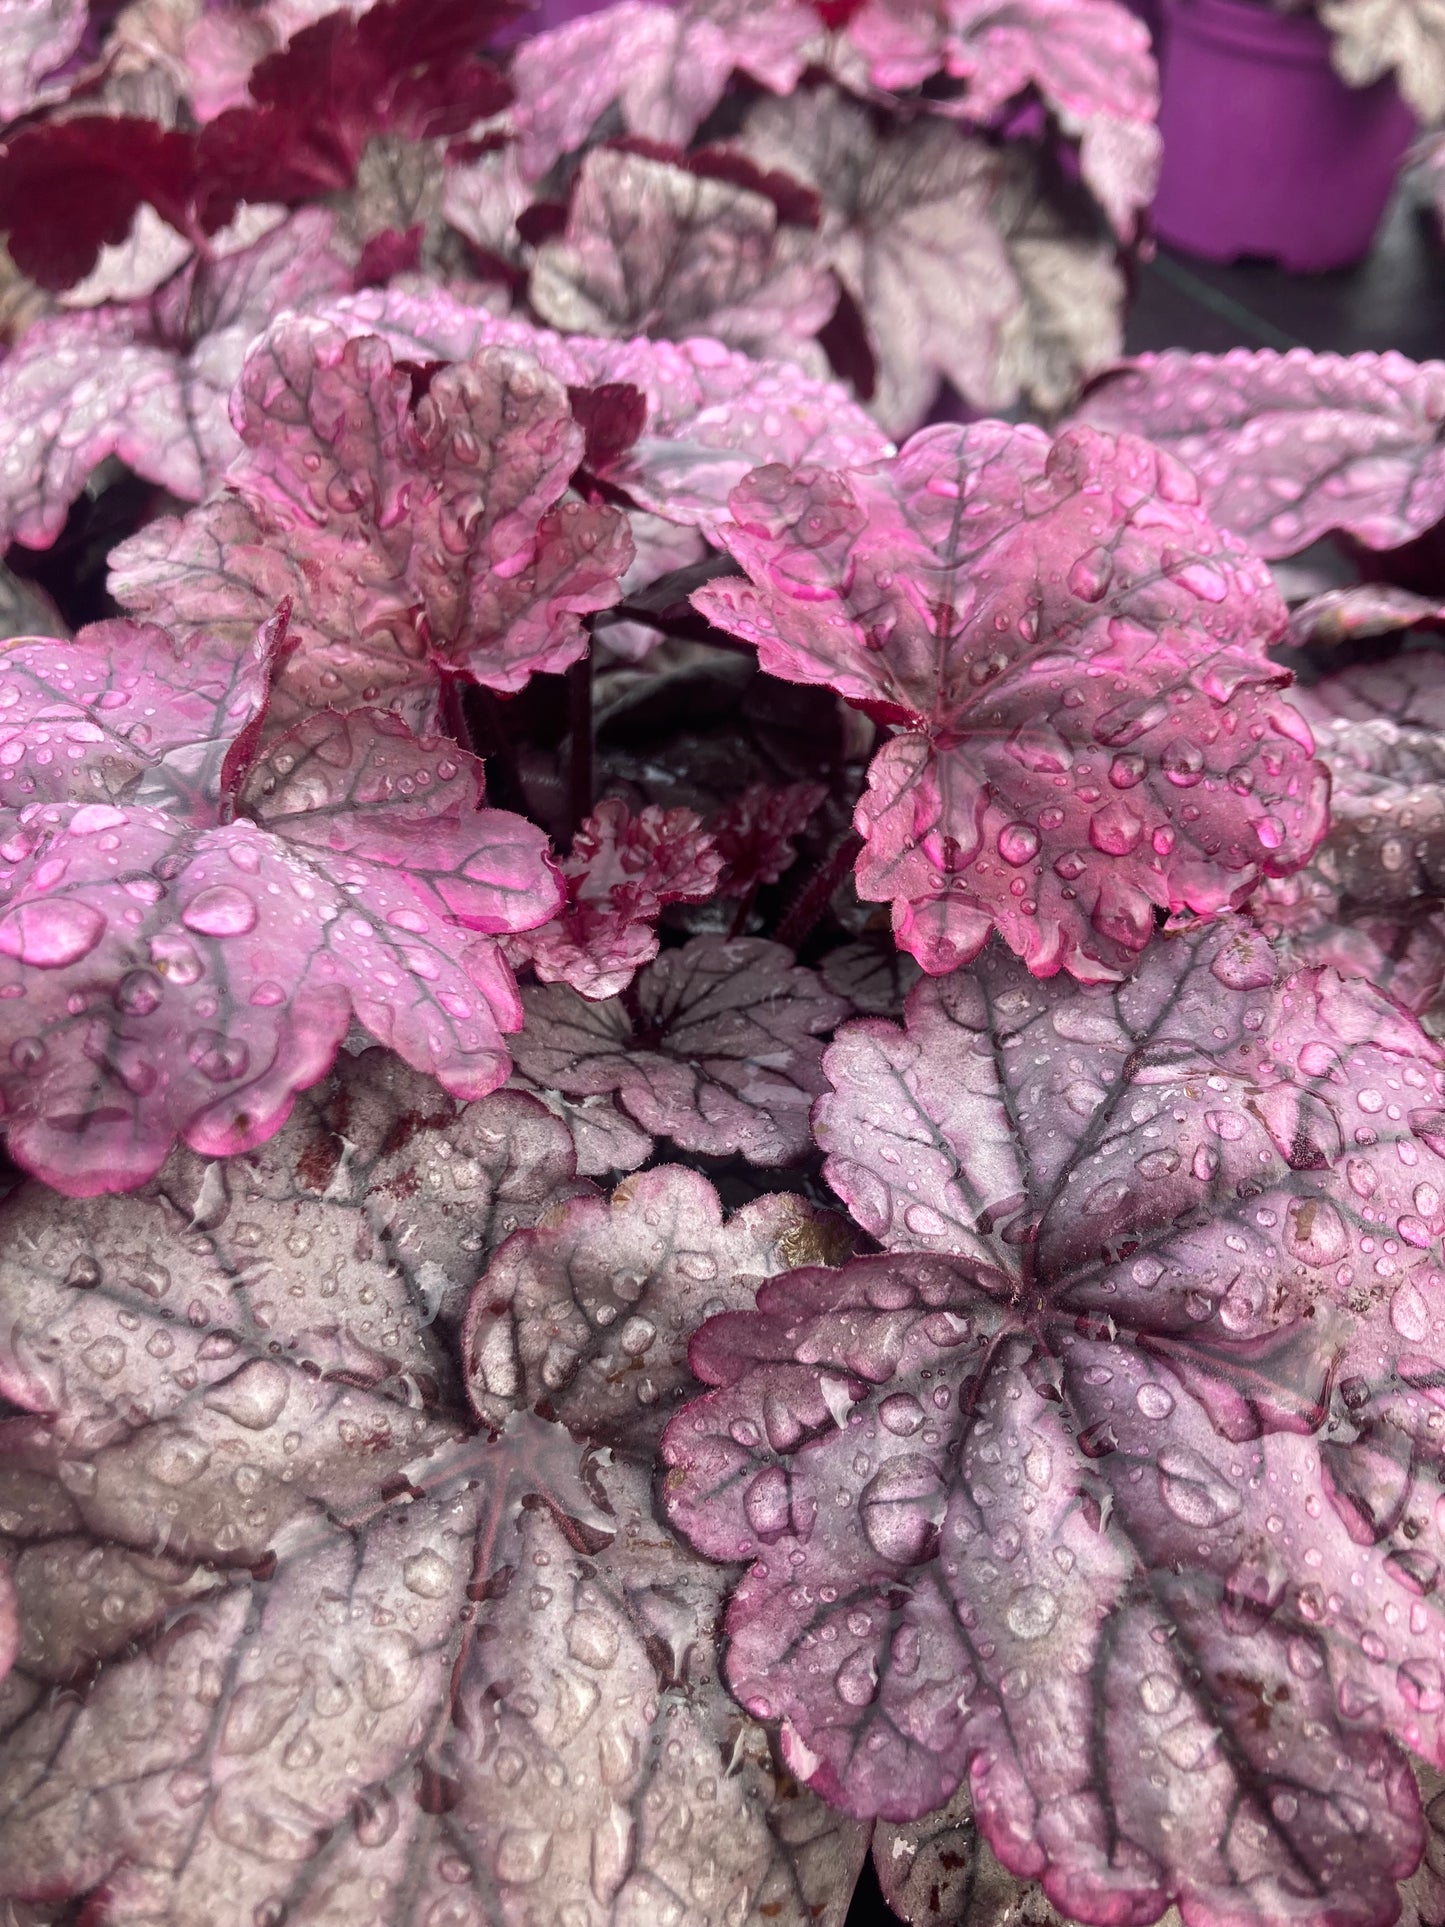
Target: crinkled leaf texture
[36,37]
[956,259]
[621,872]
[755,833]
[723,1055]
[664,68]
[712,415]
[587,1317]
[149,381]
[1111,1483]
[414,539]
[1088,59]
[653,249]
[278,1607]
[183,950]
[1291,447]
[1090,729]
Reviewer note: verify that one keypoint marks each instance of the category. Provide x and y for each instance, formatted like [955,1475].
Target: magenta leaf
[712,415]
[410,537]
[1090,62]
[651,248]
[1291,447]
[36,37]
[1089,725]
[368,881]
[149,381]
[587,1318]
[663,67]
[955,258]
[1360,612]
[755,833]
[124,711]
[1118,1318]
[723,1055]
[622,870]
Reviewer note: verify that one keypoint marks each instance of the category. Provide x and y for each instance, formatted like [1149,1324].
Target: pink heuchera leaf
[411,537]
[368,880]
[1088,59]
[622,870]
[653,249]
[148,381]
[1079,692]
[1361,611]
[124,707]
[952,253]
[712,415]
[722,1055]
[1291,447]
[36,37]
[663,67]
[1117,1319]
[587,1317]
[755,833]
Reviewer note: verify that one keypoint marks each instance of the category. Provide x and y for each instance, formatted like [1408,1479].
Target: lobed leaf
[1089,728]
[621,871]
[721,1056]
[712,415]
[651,248]
[663,68]
[587,1317]
[1291,447]
[755,832]
[604,1138]
[149,381]
[1370,39]
[414,540]
[1109,1485]
[362,885]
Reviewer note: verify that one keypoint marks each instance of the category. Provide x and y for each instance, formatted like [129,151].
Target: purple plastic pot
[1266,150]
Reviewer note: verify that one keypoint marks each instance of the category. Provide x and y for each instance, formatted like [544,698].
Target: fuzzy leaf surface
[1080,689]
[1403,38]
[653,249]
[149,381]
[727,1058]
[1292,447]
[1121,1414]
[605,1140]
[664,68]
[413,540]
[621,871]
[713,415]
[587,1317]
[369,880]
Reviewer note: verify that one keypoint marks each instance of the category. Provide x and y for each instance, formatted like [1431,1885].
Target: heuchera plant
[723,1144]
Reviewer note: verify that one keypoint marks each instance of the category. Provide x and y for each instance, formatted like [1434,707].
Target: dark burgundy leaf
[611,416]
[723,1055]
[1111,1484]
[755,833]
[1080,694]
[390,252]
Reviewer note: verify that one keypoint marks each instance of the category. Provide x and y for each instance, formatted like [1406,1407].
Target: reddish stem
[813,899]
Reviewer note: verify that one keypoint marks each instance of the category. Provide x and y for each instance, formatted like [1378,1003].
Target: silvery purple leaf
[587,1317]
[652,249]
[664,68]
[1015,1490]
[1088,724]
[148,381]
[1360,612]
[36,37]
[722,1054]
[1291,447]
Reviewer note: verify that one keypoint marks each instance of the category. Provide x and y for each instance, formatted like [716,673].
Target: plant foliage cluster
[726,1145]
